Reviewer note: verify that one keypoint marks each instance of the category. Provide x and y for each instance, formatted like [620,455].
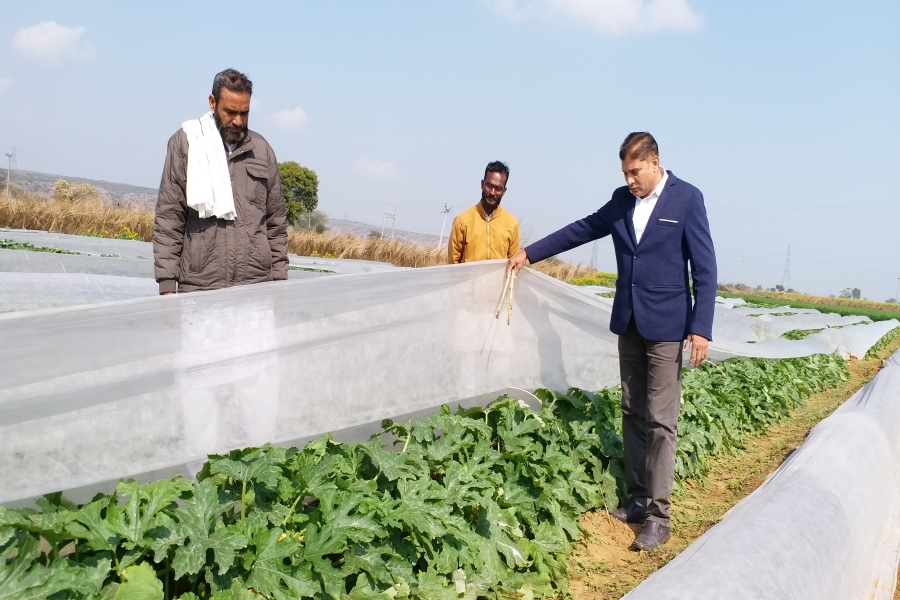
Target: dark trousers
[651,399]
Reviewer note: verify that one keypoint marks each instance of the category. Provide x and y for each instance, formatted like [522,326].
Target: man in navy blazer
[659,226]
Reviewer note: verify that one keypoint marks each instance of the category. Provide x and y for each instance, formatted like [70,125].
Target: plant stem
[243,498]
[291,512]
[406,443]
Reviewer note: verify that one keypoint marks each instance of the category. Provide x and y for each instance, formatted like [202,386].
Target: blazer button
[632,285]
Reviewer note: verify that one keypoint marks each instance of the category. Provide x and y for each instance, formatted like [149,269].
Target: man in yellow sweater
[485,231]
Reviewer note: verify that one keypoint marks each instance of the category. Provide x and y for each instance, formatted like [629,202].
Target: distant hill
[41,184]
[122,193]
[363,230]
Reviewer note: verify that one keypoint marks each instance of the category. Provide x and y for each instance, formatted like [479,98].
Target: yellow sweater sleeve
[514,242]
[456,243]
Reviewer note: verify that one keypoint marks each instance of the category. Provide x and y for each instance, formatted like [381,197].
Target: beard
[230,136]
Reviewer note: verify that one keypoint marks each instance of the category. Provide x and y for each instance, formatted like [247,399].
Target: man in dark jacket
[249,245]
[658,225]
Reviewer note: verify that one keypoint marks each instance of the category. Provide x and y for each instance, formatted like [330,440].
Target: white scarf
[208,180]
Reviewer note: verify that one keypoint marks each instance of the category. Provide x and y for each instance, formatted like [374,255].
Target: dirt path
[602,566]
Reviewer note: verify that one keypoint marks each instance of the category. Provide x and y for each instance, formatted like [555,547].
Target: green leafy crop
[480,503]
[13,245]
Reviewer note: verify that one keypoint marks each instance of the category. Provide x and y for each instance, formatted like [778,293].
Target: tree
[855,294]
[300,187]
[64,191]
[779,287]
[845,293]
[374,235]
[312,221]
[891,301]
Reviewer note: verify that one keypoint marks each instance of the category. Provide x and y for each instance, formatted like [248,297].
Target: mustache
[230,136]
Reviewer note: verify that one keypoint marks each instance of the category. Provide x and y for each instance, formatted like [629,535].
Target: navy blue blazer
[653,284]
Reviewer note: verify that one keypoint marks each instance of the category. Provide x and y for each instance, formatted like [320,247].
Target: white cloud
[616,17]
[5,82]
[51,43]
[293,119]
[377,169]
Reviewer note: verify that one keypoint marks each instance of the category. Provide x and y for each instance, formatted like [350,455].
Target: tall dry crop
[76,216]
[344,245]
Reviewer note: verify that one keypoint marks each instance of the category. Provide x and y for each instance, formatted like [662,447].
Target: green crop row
[483,503]
[845,311]
[12,245]
[886,339]
[800,334]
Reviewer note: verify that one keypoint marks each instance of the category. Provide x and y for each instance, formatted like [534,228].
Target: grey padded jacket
[191,253]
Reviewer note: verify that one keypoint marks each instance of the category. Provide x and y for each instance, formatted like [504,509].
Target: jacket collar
[480,210]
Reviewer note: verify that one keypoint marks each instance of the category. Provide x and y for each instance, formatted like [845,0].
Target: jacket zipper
[488,219]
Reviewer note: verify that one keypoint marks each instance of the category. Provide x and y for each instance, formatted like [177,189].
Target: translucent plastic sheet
[100,247]
[80,243]
[32,291]
[341,266]
[25,261]
[825,525]
[143,388]
[735,333]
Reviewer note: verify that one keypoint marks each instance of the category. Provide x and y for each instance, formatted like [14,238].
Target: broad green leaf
[139,582]
[90,525]
[133,520]
[272,577]
[22,575]
[202,531]
[259,466]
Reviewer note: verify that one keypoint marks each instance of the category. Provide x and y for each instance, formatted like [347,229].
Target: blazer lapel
[629,223]
[660,202]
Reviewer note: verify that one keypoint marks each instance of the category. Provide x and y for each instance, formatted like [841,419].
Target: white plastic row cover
[141,388]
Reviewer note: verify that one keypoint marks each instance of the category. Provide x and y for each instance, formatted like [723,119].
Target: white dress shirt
[643,207]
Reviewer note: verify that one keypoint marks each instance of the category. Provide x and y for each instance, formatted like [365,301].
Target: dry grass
[345,245]
[75,217]
[402,254]
[82,215]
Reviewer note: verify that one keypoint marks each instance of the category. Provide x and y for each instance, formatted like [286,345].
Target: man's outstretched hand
[699,345]
[515,264]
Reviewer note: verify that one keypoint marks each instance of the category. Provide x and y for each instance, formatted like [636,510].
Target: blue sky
[784,114]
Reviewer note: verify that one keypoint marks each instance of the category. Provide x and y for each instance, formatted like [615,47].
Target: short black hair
[639,145]
[497,166]
[234,80]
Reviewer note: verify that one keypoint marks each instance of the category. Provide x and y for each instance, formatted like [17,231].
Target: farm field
[877,311]
[508,481]
[358,520]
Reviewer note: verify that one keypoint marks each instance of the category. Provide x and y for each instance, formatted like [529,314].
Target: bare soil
[603,567]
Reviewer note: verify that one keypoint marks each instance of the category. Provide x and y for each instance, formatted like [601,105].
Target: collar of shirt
[643,207]
[484,214]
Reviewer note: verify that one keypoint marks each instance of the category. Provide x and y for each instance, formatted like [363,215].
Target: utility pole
[9,156]
[445,212]
[593,264]
[786,278]
[897,297]
[390,214]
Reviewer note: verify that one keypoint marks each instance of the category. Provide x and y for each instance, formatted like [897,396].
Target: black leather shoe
[653,535]
[620,514]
